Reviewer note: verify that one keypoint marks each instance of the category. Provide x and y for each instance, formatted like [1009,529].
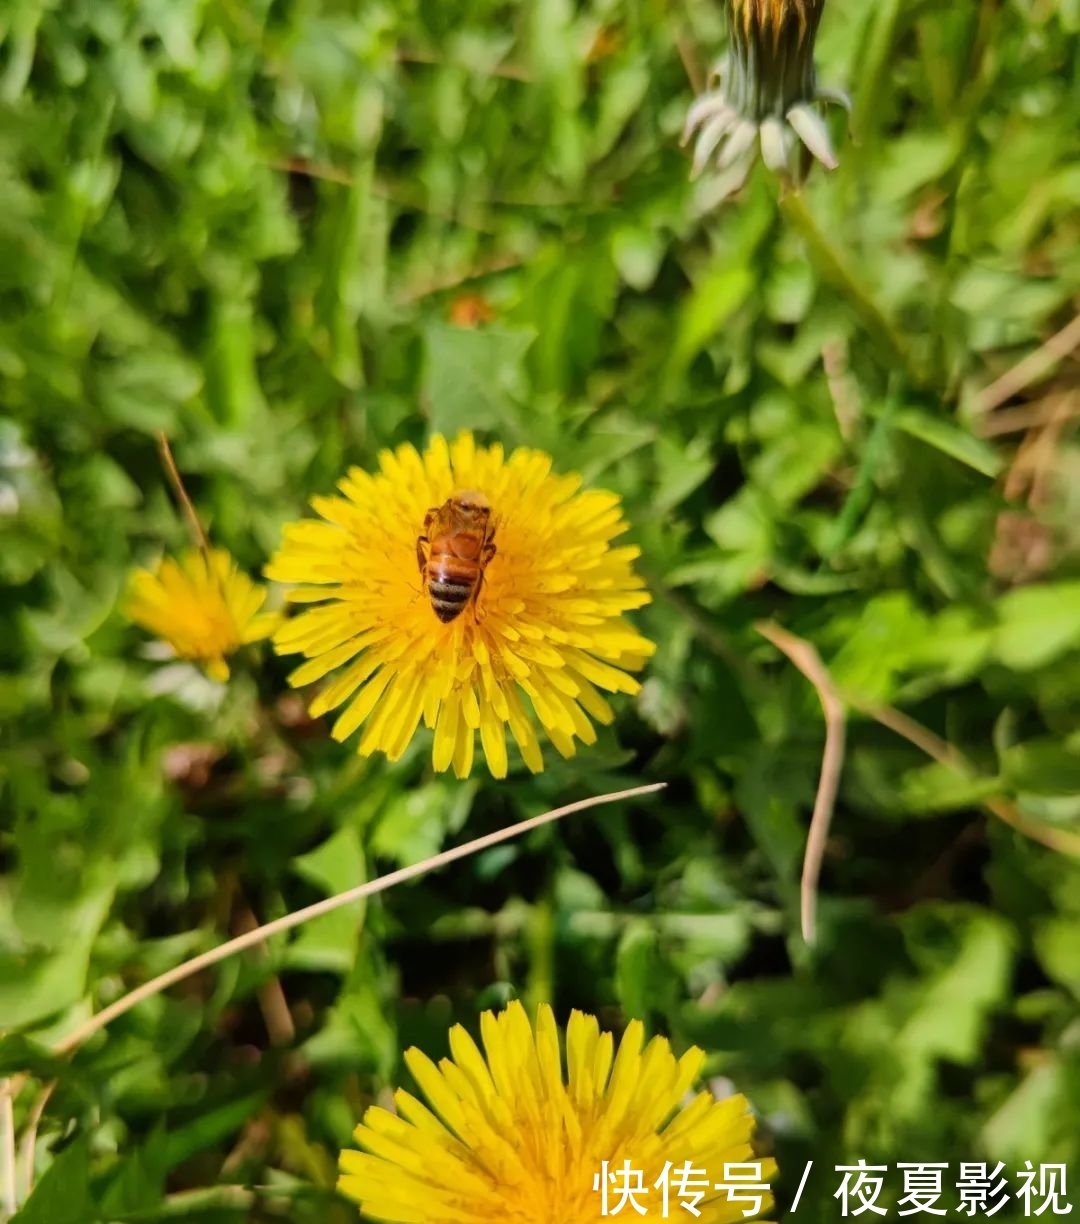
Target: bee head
[471,499]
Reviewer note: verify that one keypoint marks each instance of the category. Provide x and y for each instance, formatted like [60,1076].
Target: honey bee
[460,541]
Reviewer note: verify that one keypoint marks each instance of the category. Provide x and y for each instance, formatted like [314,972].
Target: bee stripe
[451,569]
[449,592]
[449,599]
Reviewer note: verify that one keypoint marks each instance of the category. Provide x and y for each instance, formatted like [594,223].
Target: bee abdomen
[449,599]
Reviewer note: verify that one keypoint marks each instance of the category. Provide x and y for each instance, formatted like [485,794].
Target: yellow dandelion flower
[202,606]
[547,619]
[512,1139]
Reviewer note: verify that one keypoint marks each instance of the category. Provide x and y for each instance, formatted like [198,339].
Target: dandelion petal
[811,130]
[775,147]
[711,135]
[740,140]
[203,607]
[511,1135]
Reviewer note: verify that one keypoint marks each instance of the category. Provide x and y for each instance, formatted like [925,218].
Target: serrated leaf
[471,375]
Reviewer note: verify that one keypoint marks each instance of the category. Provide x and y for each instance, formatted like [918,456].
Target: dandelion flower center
[510,1138]
[546,623]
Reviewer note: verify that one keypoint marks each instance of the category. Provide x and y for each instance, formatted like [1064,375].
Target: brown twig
[808,661]
[1031,368]
[510,72]
[315,170]
[253,1142]
[250,939]
[173,474]
[431,286]
[1044,460]
[272,1002]
[1023,543]
[1036,446]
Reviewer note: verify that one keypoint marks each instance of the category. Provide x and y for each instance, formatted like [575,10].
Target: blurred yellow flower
[202,606]
[513,1139]
[548,620]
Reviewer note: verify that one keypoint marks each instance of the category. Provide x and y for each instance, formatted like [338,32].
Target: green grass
[253,226]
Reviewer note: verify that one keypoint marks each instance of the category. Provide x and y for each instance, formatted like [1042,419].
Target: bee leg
[421,556]
[486,553]
[478,614]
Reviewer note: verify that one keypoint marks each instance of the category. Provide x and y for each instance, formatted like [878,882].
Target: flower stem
[835,269]
[541,984]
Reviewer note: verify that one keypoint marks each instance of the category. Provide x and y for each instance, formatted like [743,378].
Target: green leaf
[19,1054]
[329,942]
[974,979]
[1037,624]
[137,1183]
[472,377]
[36,982]
[1057,945]
[1028,1119]
[1041,767]
[635,965]
[719,294]
[210,1128]
[941,788]
[62,1193]
[951,440]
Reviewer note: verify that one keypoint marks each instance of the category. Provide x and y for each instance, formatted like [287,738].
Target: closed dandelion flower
[765,89]
[528,600]
[202,606]
[510,1138]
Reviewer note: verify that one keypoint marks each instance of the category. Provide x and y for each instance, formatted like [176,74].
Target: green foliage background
[260,227]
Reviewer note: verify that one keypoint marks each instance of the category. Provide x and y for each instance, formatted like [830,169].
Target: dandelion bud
[764,91]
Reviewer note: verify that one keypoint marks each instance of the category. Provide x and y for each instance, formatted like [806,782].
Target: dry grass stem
[944,753]
[509,72]
[1032,368]
[258,937]
[251,939]
[1027,416]
[28,1143]
[173,474]
[8,1200]
[271,995]
[808,661]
